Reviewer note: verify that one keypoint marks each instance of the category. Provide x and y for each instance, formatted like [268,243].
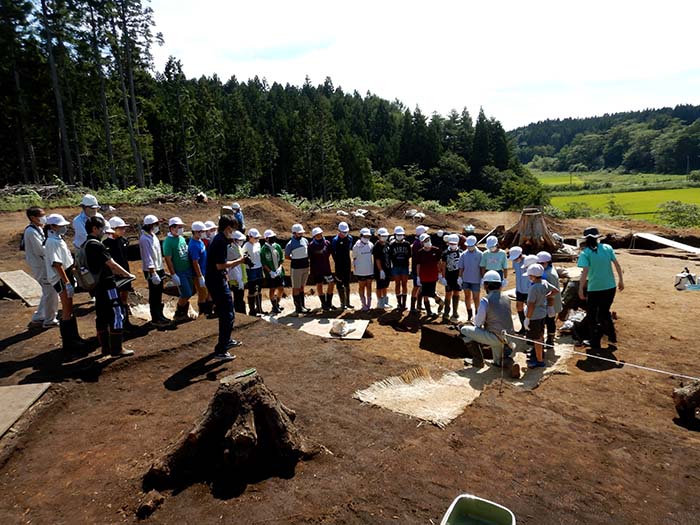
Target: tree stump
[687,400]
[246,434]
[530,233]
[446,340]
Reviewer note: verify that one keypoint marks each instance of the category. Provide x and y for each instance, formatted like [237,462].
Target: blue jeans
[221,294]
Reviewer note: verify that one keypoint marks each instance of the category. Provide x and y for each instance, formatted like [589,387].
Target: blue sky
[521,61]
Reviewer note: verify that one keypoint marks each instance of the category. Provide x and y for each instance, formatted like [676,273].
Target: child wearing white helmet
[118,246]
[320,267]
[297,251]
[550,274]
[153,270]
[416,247]
[272,257]
[399,257]
[177,260]
[470,275]
[522,283]
[198,255]
[251,249]
[449,268]
[341,249]
[539,297]
[238,274]
[428,273]
[363,267]
[209,232]
[382,267]
[494,259]
[492,318]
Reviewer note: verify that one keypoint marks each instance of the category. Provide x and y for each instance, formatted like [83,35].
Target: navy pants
[598,306]
[221,294]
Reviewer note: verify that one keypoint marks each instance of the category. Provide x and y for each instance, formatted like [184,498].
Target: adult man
[153,271]
[320,267]
[89,207]
[33,240]
[238,215]
[117,246]
[109,310]
[492,318]
[178,262]
[217,284]
[297,251]
[341,248]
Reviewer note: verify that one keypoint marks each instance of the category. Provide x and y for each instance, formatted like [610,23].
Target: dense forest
[663,140]
[81,102]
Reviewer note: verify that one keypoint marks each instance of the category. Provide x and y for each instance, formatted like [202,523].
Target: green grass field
[617,180]
[549,178]
[638,204]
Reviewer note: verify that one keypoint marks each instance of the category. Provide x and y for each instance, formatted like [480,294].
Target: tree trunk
[48,35]
[687,400]
[245,434]
[531,233]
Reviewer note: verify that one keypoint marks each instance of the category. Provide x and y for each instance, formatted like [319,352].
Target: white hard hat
[365,231]
[343,227]
[175,221]
[108,228]
[383,232]
[529,260]
[150,219]
[209,225]
[90,201]
[469,228]
[297,228]
[316,231]
[424,237]
[515,252]
[492,276]
[398,230]
[56,219]
[544,256]
[491,241]
[535,270]
[235,206]
[198,226]
[453,239]
[268,234]
[471,241]
[238,236]
[117,222]
[420,230]
[254,233]
[440,233]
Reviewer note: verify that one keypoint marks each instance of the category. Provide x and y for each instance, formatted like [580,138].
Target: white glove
[459,281]
[442,280]
[175,279]
[504,283]
[418,282]
[70,291]
[526,323]
[202,282]
[155,279]
[382,275]
[550,311]
[273,275]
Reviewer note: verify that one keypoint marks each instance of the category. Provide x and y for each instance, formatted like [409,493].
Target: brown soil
[600,445]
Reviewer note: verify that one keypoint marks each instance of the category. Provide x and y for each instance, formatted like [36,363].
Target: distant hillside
[665,140]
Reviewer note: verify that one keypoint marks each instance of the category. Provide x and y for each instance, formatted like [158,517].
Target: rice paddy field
[616,180]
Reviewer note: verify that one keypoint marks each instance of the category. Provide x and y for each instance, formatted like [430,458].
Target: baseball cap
[175,221]
[382,232]
[424,237]
[365,231]
[316,231]
[535,270]
[56,219]
[528,261]
[268,234]
[343,227]
[469,228]
[420,230]
[515,252]
[238,236]
[544,257]
[471,241]
[117,222]
[235,206]
[591,231]
[209,225]
[90,201]
[453,239]
[150,219]
[398,230]
[254,233]
[491,241]
[297,228]
[198,226]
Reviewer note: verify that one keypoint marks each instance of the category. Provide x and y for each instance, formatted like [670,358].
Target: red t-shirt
[428,261]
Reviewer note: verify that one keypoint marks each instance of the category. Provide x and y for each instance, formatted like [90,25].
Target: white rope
[615,361]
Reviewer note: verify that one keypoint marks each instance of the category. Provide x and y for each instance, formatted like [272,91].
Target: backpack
[86,279]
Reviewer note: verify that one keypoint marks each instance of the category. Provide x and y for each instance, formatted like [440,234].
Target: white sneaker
[224,357]
[51,324]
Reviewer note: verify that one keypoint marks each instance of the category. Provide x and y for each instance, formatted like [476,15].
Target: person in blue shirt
[238,215]
[198,257]
[597,285]
[522,283]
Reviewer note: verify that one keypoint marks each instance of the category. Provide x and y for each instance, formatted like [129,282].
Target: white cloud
[521,61]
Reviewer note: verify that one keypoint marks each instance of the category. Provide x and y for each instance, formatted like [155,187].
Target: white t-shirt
[79,232]
[151,253]
[34,252]
[56,251]
[253,250]
[362,254]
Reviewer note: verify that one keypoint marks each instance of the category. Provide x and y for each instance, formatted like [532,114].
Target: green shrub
[679,214]
[476,200]
[577,210]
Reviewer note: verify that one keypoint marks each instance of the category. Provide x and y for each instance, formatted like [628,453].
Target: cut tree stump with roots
[687,400]
[245,435]
[530,233]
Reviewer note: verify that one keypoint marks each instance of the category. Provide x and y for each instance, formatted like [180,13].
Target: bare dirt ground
[600,445]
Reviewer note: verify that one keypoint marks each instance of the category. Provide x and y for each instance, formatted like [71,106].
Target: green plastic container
[472,510]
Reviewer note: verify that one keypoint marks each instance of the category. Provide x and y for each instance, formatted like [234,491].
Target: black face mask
[592,243]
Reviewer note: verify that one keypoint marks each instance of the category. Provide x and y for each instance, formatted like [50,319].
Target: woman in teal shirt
[597,285]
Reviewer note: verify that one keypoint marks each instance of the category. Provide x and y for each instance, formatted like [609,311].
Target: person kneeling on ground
[492,317]
[109,309]
[216,281]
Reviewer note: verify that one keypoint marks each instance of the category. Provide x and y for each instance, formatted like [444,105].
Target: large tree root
[687,400]
[245,435]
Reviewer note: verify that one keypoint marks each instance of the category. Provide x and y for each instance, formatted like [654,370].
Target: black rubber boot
[302,302]
[103,338]
[116,339]
[341,296]
[413,305]
[72,342]
[252,306]
[128,326]
[181,314]
[297,304]
[324,302]
[455,306]
[329,301]
[259,305]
